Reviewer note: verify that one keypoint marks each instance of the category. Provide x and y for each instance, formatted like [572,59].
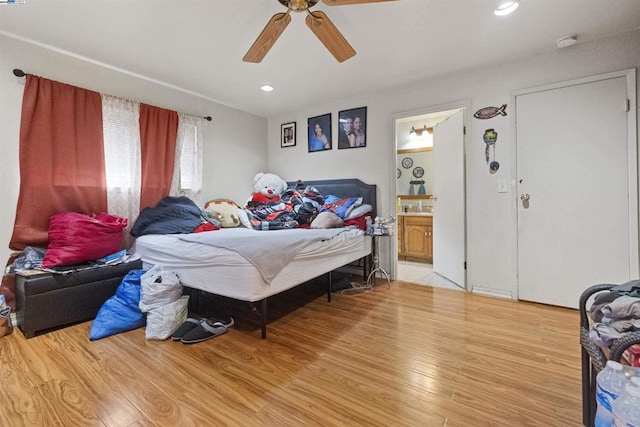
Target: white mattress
[225,272]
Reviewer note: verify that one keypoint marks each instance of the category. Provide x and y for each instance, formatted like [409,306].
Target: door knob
[525,197]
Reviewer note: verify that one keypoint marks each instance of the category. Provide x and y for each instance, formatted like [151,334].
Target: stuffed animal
[225,211]
[268,188]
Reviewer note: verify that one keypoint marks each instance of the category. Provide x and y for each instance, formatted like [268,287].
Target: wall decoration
[399,172]
[422,158]
[490,137]
[489,112]
[352,128]
[288,134]
[319,133]
[418,172]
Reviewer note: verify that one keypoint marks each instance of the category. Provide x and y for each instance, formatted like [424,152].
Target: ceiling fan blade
[343,2]
[267,37]
[329,35]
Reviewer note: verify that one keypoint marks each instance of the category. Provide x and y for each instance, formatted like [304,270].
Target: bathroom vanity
[415,236]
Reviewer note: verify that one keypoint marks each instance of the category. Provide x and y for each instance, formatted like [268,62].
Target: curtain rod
[19,73]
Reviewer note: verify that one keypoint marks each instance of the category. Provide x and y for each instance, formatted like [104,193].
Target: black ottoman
[45,301]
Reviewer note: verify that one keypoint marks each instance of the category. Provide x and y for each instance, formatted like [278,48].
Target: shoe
[228,322]
[188,325]
[207,329]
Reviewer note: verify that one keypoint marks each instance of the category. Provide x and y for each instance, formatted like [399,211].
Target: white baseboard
[492,292]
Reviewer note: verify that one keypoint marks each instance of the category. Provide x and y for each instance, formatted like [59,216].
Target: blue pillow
[340,206]
[120,313]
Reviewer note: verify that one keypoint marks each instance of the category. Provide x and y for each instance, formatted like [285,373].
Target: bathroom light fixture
[419,132]
[567,41]
[266,88]
[506,8]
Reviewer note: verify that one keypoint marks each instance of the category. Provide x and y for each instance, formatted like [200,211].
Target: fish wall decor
[489,112]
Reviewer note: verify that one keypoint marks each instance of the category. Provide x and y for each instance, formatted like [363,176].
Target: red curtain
[158,134]
[61,158]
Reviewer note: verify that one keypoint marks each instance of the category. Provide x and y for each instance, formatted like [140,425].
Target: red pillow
[76,238]
[359,221]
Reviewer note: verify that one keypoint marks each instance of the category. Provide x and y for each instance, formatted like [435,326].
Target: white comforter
[269,251]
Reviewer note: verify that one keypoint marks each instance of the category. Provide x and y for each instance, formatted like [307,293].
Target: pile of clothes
[614,313]
[296,208]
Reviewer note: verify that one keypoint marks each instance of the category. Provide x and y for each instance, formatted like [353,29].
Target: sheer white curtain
[121,131]
[187,171]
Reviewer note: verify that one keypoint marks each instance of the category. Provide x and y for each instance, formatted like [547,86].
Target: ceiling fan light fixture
[267,88]
[506,8]
[298,5]
[317,21]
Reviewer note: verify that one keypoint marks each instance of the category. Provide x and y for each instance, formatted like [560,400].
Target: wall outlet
[502,186]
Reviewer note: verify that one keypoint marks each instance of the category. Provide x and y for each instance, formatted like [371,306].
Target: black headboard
[350,187]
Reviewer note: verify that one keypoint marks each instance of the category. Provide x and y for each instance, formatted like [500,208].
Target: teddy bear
[268,188]
[225,211]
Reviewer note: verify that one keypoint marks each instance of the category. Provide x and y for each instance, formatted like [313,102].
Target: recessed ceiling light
[266,88]
[506,8]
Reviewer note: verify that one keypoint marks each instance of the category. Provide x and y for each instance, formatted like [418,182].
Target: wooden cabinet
[415,238]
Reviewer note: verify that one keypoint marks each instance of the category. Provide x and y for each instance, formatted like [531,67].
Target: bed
[222,263]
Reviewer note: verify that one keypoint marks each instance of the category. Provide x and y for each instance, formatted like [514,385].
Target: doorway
[430,179]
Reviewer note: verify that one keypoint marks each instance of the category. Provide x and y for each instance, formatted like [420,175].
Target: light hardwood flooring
[405,356]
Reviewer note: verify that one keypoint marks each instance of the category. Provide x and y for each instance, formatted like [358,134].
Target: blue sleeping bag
[120,313]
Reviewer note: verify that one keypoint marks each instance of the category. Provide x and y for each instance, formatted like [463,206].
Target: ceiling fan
[317,21]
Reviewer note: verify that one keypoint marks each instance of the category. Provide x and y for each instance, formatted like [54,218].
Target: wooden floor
[409,356]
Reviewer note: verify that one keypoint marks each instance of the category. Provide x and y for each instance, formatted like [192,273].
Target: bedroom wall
[491,224]
[231,158]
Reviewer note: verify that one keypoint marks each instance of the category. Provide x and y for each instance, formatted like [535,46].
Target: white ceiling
[198,45]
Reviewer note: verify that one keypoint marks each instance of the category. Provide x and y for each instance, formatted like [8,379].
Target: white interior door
[448,205]
[578,169]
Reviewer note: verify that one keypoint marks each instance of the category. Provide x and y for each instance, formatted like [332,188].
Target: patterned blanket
[295,208]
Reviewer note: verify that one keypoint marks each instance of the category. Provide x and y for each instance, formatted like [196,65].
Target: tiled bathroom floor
[422,274]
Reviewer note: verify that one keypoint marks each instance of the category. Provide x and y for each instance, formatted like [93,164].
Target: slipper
[188,325]
[207,329]
[227,323]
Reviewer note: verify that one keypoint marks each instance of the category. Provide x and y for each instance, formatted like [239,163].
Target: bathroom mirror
[413,166]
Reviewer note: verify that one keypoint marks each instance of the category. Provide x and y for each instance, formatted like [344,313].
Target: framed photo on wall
[288,134]
[352,128]
[319,133]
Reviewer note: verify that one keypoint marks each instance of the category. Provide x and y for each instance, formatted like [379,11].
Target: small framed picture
[288,134]
[319,132]
[352,128]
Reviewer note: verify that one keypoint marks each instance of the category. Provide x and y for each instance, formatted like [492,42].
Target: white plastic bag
[158,288]
[163,321]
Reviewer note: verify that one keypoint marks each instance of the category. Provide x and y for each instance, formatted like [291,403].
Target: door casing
[462,104]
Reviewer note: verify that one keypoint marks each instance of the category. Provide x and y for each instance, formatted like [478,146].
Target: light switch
[502,186]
